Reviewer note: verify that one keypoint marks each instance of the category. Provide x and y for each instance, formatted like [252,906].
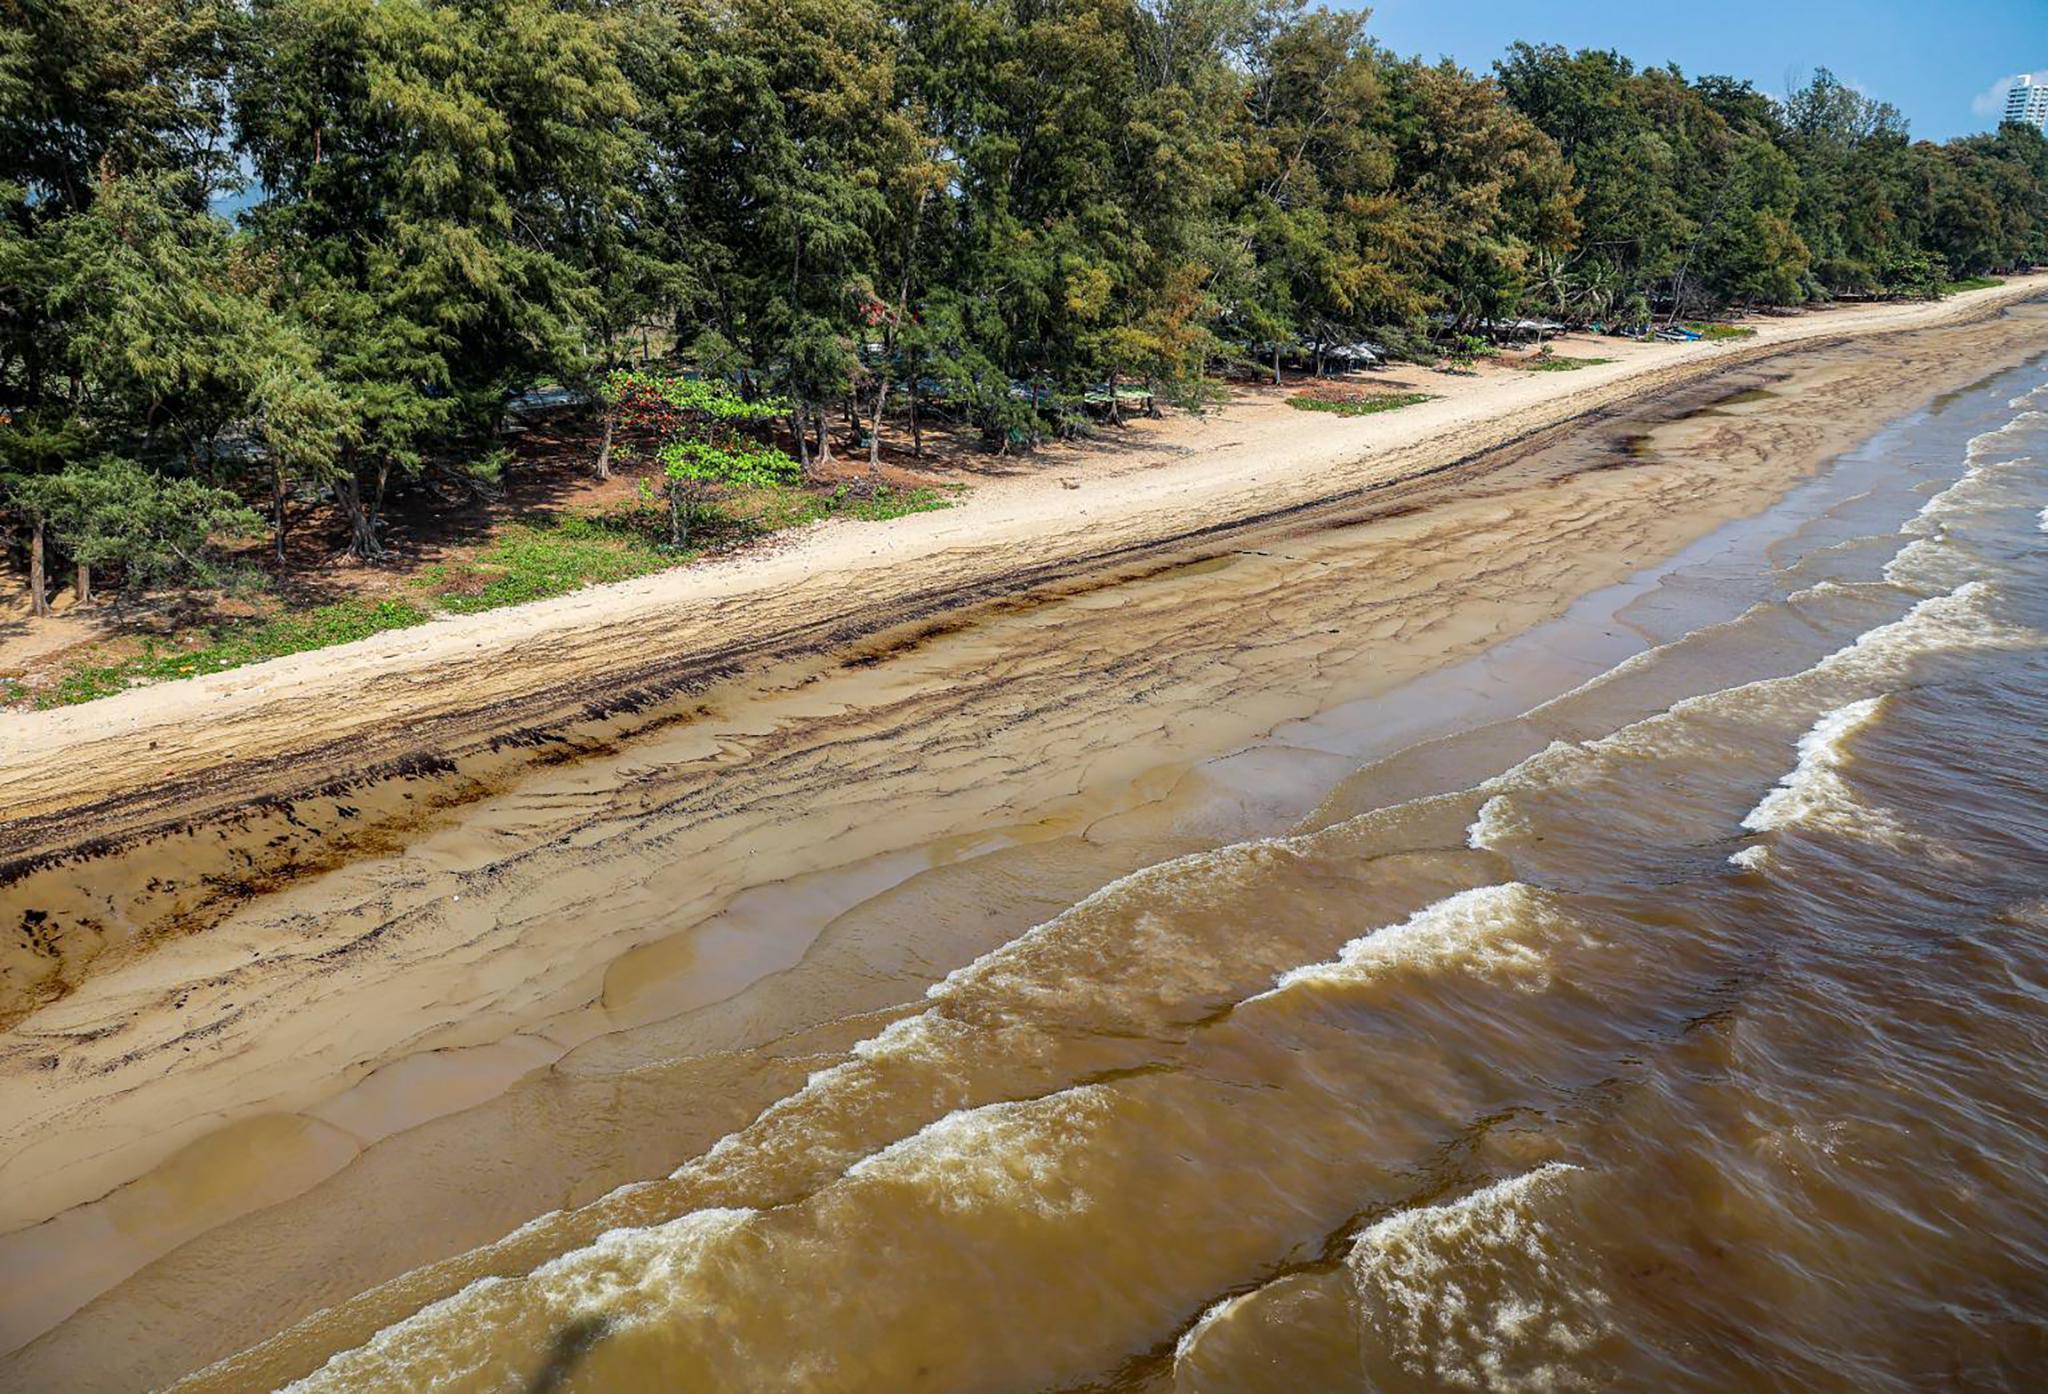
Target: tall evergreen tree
[843,205]
[433,171]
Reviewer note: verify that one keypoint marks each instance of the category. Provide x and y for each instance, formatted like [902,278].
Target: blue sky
[1936,60]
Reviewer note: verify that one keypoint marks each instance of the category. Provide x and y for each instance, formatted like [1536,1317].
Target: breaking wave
[1814,793]
[1482,1293]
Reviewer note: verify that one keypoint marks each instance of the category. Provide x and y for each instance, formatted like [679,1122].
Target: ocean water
[1698,1043]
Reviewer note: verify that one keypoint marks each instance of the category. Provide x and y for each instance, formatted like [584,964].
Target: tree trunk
[277,522]
[678,518]
[1276,364]
[803,441]
[38,597]
[81,582]
[916,428]
[875,431]
[1116,406]
[604,451]
[824,439]
[362,522]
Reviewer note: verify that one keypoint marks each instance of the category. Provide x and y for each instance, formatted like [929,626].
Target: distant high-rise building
[2027,102]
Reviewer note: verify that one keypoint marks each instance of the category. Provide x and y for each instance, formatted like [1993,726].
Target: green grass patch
[886,503]
[1360,406]
[1970,283]
[1706,329]
[1559,363]
[528,562]
[760,511]
[320,627]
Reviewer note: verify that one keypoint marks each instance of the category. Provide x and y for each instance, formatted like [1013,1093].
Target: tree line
[844,207]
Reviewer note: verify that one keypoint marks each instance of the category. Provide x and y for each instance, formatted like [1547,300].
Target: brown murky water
[1683,1029]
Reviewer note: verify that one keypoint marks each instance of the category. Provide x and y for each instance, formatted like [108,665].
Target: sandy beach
[325,964]
[135,756]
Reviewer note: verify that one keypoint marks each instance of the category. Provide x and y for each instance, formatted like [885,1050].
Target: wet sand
[575,954]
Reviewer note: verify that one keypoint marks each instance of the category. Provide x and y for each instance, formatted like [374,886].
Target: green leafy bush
[1461,353]
[112,510]
[744,465]
[690,467]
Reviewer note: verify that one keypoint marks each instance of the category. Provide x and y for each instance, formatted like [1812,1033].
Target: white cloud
[1991,101]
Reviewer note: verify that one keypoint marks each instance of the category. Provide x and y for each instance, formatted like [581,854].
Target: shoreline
[406,726]
[1765,448]
[1013,534]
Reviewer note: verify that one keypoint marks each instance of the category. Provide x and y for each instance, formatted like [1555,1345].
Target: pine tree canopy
[837,206]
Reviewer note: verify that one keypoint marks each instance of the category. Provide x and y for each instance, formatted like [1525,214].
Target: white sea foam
[1482,1293]
[1130,909]
[1007,1156]
[2042,522]
[1814,792]
[1958,619]
[1929,561]
[1922,564]
[1485,930]
[2012,433]
[1008,971]
[1881,658]
[1498,821]
[1184,1348]
[625,1278]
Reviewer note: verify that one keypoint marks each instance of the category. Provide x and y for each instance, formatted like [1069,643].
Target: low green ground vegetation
[1558,363]
[1709,330]
[1360,406]
[529,560]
